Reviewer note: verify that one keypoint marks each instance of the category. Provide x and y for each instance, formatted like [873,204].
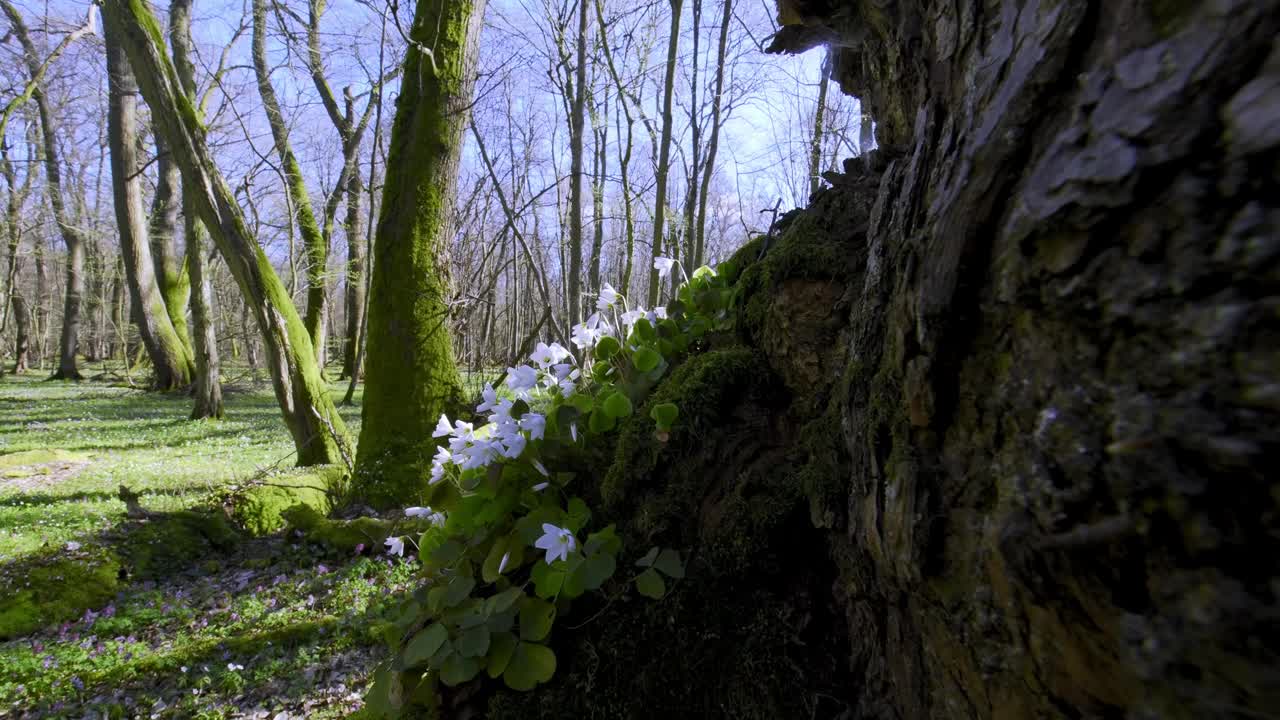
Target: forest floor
[271,629]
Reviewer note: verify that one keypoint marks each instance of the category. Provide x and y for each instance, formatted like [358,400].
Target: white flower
[461,429]
[541,468]
[546,355]
[663,265]
[535,424]
[522,379]
[437,519]
[395,546]
[608,296]
[442,427]
[490,399]
[513,445]
[558,542]
[184,668]
[417,511]
[234,667]
[660,313]
[573,431]
[502,564]
[540,487]
[73,546]
[583,337]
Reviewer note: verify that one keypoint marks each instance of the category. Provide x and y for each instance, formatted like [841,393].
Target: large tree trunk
[994,439]
[355,276]
[308,411]
[315,243]
[171,361]
[410,375]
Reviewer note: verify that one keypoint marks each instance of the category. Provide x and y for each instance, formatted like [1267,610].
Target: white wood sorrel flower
[557,541]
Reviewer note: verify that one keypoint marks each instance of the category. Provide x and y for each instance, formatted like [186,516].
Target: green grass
[296,620]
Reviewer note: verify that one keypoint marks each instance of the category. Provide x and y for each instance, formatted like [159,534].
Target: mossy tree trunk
[315,243]
[207,389]
[990,439]
[308,411]
[170,270]
[411,375]
[172,364]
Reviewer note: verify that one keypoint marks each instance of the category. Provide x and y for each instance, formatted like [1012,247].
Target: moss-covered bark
[309,413]
[411,376]
[170,356]
[170,270]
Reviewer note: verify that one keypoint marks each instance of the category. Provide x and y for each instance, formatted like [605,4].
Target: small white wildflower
[663,265]
[608,296]
[541,486]
[557,541]
[535,424]
[395,546]
[233,667]
[73,546]
[541,468]
[442,427]
[490,399]
[502,565]
[417,511]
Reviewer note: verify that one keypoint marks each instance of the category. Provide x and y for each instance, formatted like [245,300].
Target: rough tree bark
[577,146]
[994,435]
[317,429]
[411,376]
[207,388]
[170,358]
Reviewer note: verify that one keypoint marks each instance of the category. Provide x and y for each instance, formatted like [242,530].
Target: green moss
[171,542]
[344,536]
[411,374]
[701,388]
[51,589]
[259,509]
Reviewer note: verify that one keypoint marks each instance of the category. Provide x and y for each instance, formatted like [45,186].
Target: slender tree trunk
[68,345]
[171,271]
[119,349]
[22,333]
[577,141]
[315,243]
[695,130]
[316,427]
[599,167]
[40,313]
[815,146]
[664,157]
[713,145]
[172,364]
[355,273]
[411,375]
[207,401]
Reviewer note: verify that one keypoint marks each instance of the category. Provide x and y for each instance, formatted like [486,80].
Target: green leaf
[575,580]
[617,405]
[489,570]
[664,414]
[650,584]
[425,644]
[501,646]
[505,599]
[643,329]
[582,402]
[503,621]
[448,551]
[474,642]
[546,580]
[601,421]
[459,589]
[600,372]
[604,540]
[578,515]
[599,568]
[646,359]
[607,347]
[669,564]
[536,617]
[378,701]
[458,669]
[518,408]
[530,664]
[649,557]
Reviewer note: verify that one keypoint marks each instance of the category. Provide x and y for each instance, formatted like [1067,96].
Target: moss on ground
[56,587]
[259,509]
[172,542]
